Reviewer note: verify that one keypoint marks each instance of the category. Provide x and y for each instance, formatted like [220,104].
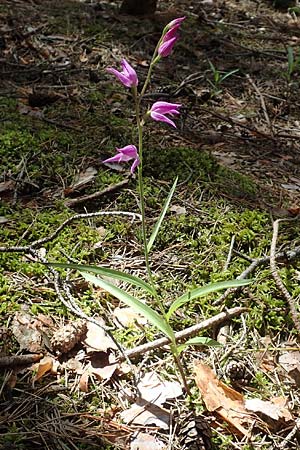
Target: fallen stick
[208,323]
[20,360]
[88,198]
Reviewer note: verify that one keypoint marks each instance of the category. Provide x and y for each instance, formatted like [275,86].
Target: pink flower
[159,110]
[170,36]
[175,23]
[128,76]
[126,154]
[166,47]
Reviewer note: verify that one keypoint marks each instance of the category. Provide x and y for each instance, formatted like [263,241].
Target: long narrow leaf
[204,290]
[111,273]
[133,302]
[161,216]
[199,340]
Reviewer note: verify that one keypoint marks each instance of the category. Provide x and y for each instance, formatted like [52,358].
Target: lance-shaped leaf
[111,273]
[199,340]
[140,307]
[204,290]
[161,216]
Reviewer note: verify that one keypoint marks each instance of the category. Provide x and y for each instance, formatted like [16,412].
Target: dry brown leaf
[84,381]
[82,179]
[274,412]
[28,337]
[144,413]
[96,338]
[155,390]
[44,366]
[290,361]
[148,410]
[223,400]
[145,441]
[103,365]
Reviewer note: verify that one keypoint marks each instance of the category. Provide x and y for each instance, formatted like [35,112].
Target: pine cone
[64,339]
[238,372]
[195,433]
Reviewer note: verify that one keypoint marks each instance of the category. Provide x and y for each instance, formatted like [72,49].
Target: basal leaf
[140,307]
[111,273]
[199,340]
[202,291]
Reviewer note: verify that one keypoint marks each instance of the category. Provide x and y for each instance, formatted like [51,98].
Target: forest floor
[236,152]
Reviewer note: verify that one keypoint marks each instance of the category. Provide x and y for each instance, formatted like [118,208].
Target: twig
[229,253]
[40,242]
[87,198]
[208,323]
[276,276]
[287,440]
[282,256]
[262,102]
[20,360]
[238,123]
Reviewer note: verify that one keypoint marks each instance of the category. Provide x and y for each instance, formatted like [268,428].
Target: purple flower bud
[128,76]
[175,23]
[159,110]
[125,154]
[169,37]
[166,47]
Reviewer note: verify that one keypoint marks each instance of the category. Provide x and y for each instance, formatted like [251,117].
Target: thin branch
[20,360]
[88,198]
[180,335]
[278,281]
[282,256]
[263,104]
[40,242]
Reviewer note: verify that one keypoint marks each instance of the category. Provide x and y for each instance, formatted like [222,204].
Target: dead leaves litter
[241,414]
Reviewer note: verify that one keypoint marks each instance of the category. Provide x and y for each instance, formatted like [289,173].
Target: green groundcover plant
[160,111]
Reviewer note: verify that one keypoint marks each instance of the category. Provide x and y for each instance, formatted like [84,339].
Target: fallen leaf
[44,366]
[223,400]
[274,412]
[81,179]
[28,337]
[155,390]
[144,441]
[177,209]
[144,413]
[103,365]
[84,381]
[7,186]
[128,316]
[96,338]
[290,361]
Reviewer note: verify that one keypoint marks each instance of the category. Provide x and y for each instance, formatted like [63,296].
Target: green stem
[154,60]
[140,182]
[180,367]
[137,99]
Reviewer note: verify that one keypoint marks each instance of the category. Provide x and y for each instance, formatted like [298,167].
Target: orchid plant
[160,111]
